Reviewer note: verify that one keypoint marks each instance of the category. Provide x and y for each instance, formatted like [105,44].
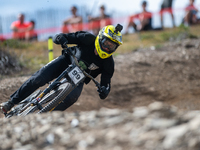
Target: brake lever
[68,50]
[99,89]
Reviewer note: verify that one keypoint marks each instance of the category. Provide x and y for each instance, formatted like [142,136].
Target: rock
[104,129]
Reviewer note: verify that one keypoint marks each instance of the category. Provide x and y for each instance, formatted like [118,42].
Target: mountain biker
[95,51]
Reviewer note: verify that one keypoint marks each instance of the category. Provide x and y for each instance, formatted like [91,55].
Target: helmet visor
[108,46]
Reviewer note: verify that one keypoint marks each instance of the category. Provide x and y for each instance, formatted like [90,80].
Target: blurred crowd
[75,22]
[26,30]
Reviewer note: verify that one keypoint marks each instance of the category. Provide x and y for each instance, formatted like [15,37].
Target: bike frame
[66,73]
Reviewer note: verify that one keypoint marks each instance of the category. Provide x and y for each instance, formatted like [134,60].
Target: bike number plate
[76,75]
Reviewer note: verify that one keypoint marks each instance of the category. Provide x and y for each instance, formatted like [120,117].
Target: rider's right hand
[6,106]
[60,39]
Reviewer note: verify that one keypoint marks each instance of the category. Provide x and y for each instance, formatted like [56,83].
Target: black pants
[43,76]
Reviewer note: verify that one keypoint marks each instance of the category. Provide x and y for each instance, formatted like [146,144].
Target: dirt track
[170,74]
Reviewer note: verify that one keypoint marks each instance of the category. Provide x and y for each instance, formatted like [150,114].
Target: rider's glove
[60,39]
[103,92]
[6,106]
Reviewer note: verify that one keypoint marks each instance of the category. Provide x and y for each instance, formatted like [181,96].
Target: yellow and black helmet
[108,39]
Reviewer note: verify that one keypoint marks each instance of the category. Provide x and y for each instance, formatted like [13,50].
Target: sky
[127,6]
[113,7]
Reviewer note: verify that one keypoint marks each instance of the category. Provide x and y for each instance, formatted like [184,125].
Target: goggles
[110,45]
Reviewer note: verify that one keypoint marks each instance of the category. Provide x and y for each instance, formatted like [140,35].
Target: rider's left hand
[103,92]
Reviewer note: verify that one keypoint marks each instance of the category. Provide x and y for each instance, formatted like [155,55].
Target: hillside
[153,104]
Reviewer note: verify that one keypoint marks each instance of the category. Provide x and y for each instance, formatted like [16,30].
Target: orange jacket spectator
[20,28]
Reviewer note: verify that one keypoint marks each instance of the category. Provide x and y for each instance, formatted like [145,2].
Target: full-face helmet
[108,40]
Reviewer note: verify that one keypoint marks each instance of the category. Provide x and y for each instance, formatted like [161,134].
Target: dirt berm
[170,74]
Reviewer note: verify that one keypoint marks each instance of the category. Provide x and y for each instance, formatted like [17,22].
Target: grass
[156,38]
[34,55]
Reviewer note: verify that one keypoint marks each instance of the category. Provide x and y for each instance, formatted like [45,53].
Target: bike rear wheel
[23,104]
[51,100]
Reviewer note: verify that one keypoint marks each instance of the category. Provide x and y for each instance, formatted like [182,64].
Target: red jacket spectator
[145,19]
[2,38]
[31,34]
[191,11]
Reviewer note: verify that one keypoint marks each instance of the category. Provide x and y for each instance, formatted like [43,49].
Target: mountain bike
[46,100]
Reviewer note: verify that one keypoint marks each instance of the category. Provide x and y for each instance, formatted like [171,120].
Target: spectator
[190,17]
[2,38]
[166,7]
[20,28]
[75,22]
[96,23]
[145,19]
[31,35]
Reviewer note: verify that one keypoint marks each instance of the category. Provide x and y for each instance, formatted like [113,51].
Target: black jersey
[85,42]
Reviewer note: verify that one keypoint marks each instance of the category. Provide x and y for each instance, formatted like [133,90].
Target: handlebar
[84,72]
